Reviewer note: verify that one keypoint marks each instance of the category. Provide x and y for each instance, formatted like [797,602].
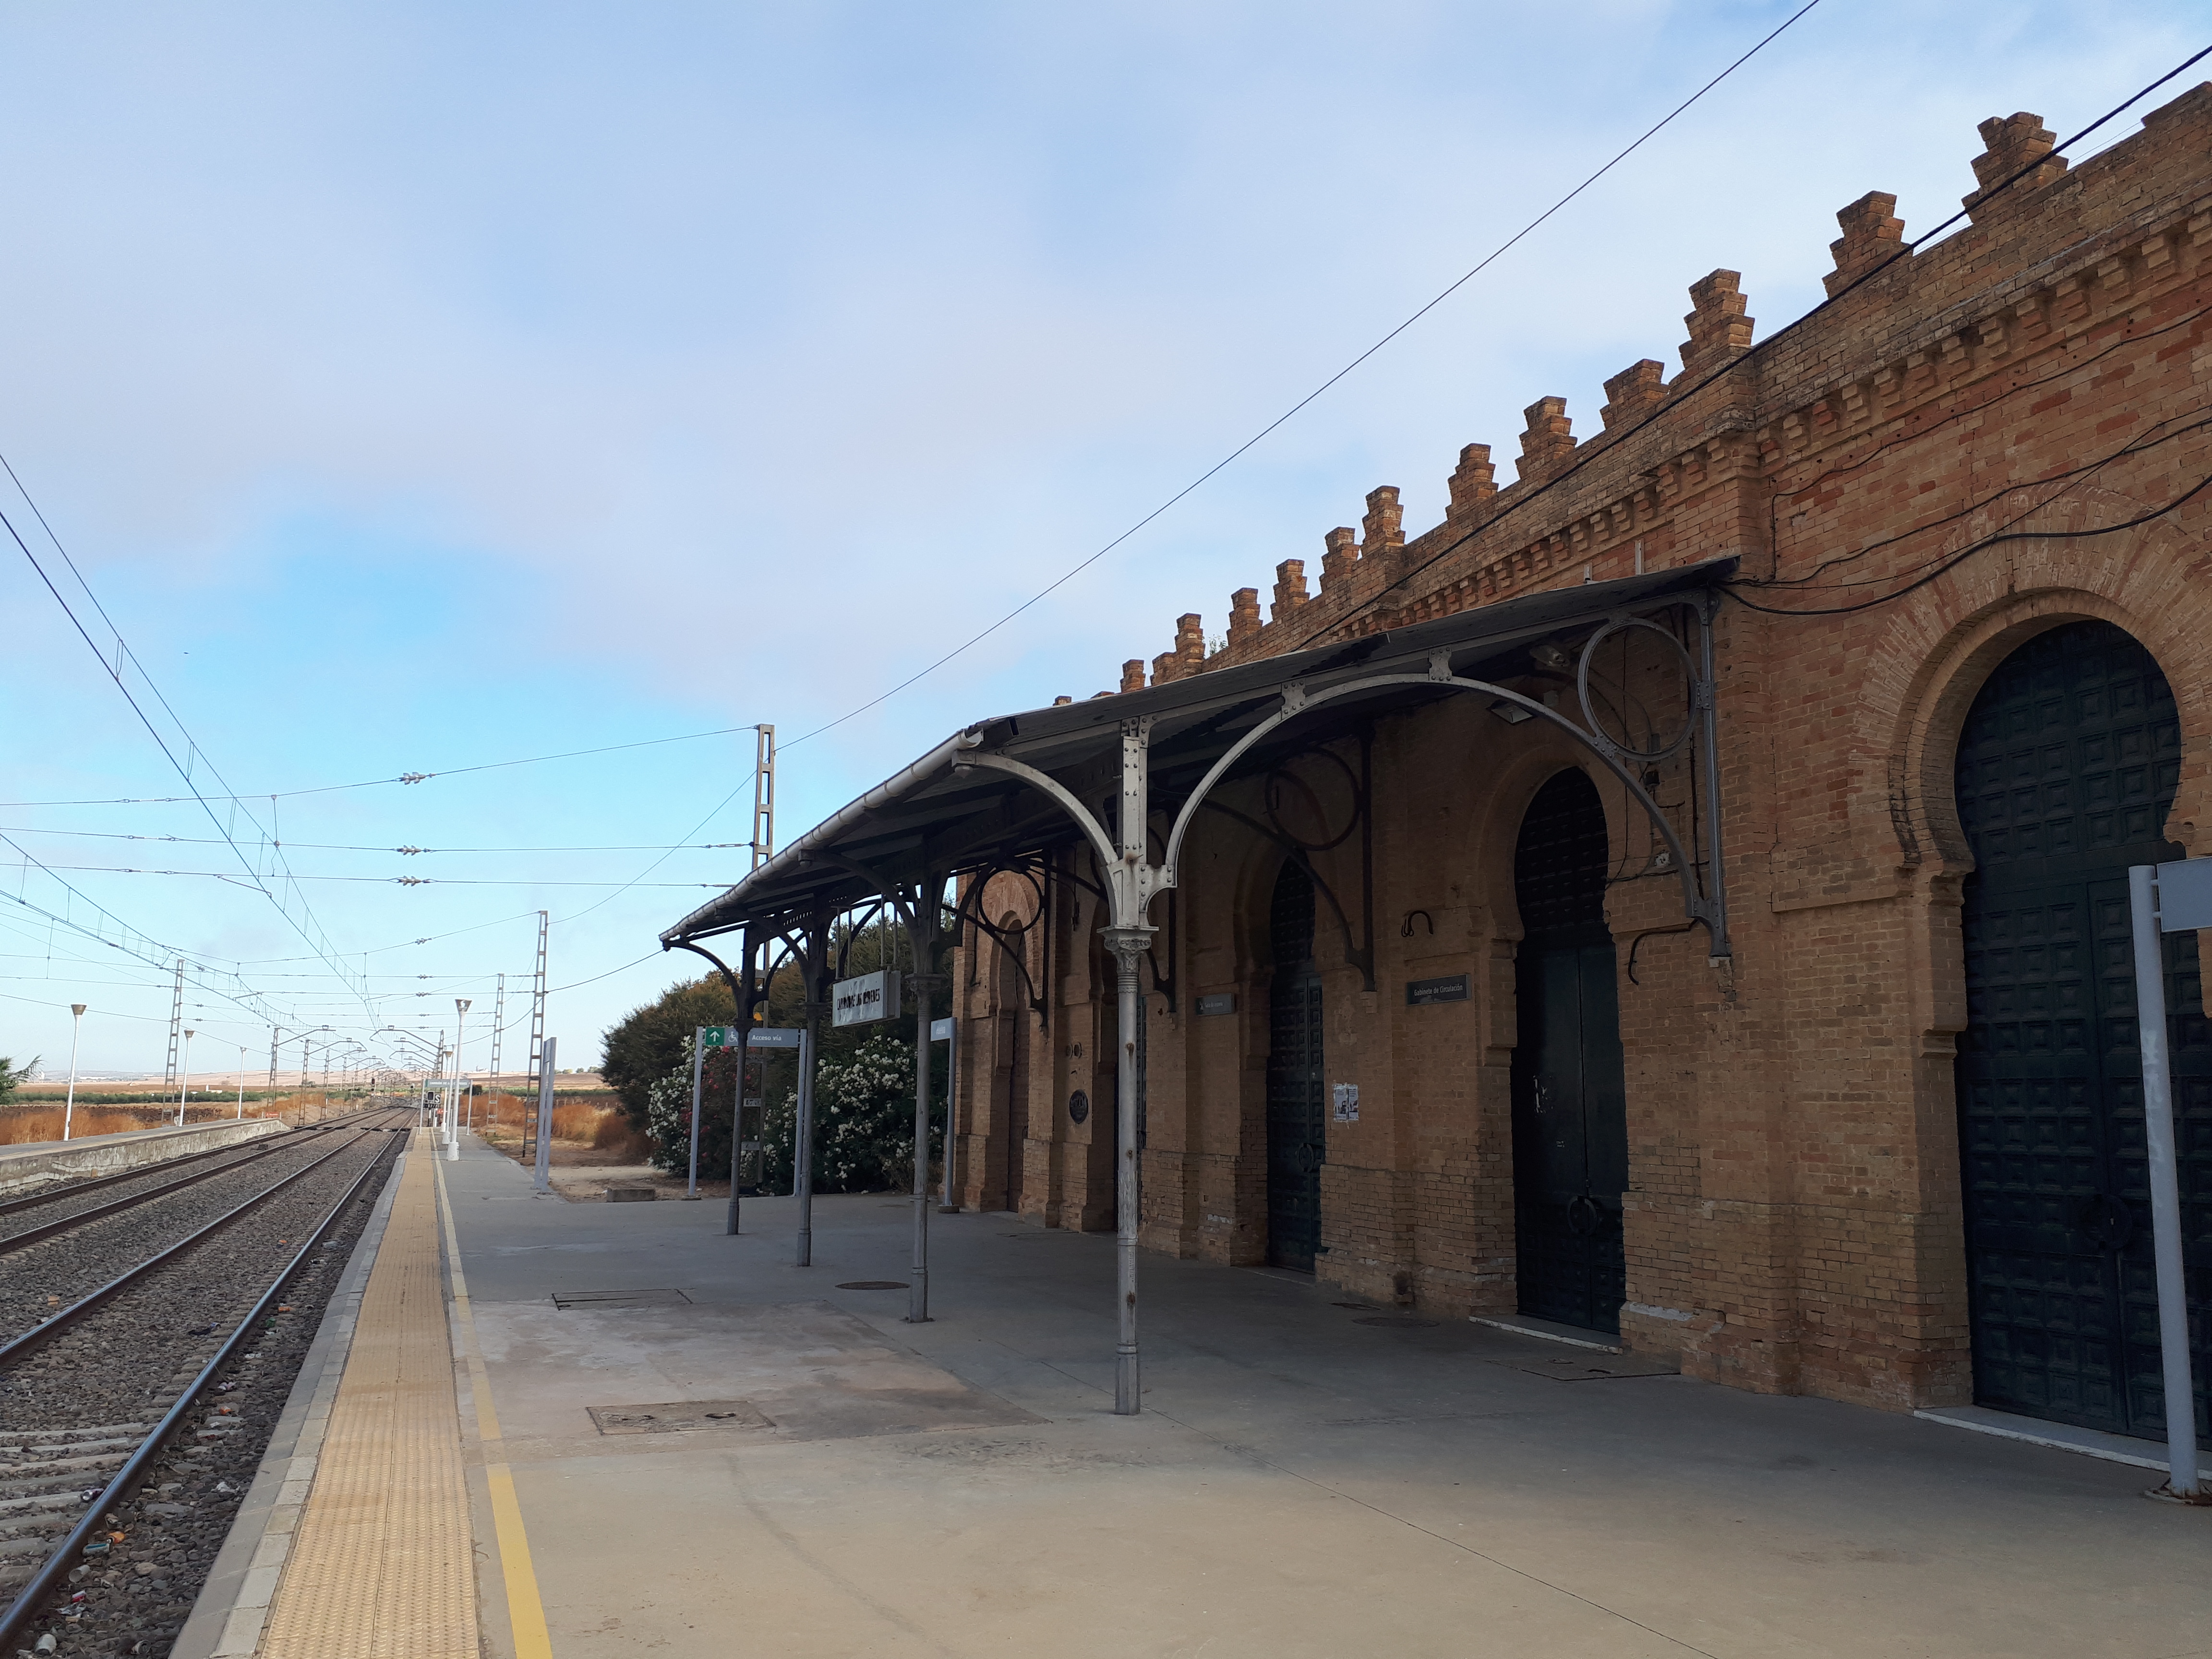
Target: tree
[863,1110]
[11,1075]
[649,1042]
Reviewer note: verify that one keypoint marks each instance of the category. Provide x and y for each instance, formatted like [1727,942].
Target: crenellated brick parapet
[1684,469]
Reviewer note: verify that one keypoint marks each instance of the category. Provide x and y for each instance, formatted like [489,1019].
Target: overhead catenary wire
[342,847]
[1481,265]
[301,924]
[384,881]
[400,778]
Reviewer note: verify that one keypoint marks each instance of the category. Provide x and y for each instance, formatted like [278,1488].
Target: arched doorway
[1014,1016]
[1296,1129]
[2067,769]
[1570,1093]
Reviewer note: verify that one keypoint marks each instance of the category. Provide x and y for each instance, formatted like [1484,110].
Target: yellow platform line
[525,1612]
[382,1564]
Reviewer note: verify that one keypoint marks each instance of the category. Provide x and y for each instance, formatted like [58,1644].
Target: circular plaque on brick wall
[1079,1107]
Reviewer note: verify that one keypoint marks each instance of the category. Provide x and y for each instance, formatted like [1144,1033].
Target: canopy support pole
[1132,880]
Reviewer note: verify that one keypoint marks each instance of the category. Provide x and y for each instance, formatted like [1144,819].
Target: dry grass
[502,1117]
[22,1125]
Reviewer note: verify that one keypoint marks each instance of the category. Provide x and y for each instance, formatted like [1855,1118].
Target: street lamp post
[460,1080]
[76,1026]
[242,1079]
[184,1082]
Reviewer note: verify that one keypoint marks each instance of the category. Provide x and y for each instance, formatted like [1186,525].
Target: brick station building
[1424,1015]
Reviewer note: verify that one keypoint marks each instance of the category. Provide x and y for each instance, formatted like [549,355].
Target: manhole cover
[873,1284]
[671,1417]
[618,1298]
[1398,1322]
[1596,1367]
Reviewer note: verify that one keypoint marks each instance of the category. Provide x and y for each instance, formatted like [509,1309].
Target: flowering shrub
[863,1120]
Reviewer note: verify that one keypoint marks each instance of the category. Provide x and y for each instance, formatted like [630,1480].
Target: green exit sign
[717,1036]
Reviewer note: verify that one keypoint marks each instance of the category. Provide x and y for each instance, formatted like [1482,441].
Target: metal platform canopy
[1104,771]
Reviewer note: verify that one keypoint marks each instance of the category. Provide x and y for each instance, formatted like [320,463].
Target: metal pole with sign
[2167,898]
[947,1031]
[544,1178]
[703,1038]
[746,998]
[746,1039]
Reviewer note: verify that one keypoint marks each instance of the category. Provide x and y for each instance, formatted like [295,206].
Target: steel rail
[63,1223]
[69,1189]
[47,1578]
[18,1346]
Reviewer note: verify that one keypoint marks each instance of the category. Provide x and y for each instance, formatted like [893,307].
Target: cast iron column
[917,1304]
[1127,944]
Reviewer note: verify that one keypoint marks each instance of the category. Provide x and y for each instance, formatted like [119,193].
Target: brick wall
[1793,1221]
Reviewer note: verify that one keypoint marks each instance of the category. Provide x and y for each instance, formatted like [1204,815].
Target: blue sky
[423,387]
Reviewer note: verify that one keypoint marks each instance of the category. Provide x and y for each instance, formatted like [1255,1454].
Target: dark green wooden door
[2067,769]
[1296,1126]
[1570,1097]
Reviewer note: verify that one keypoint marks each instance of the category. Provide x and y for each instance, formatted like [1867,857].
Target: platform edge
[244,1575]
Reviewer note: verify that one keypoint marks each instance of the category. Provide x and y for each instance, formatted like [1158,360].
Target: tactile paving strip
[383,1563]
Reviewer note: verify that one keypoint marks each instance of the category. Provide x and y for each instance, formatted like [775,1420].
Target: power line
[1226,460]
[339,847]
[403,778]
[1968,551]
[300,924]
[403,945]
[1480,266]
[387,881]
[1674,399]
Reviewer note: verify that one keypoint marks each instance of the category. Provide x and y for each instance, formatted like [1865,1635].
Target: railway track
[25,1220]
[68,1245]
[133,1412]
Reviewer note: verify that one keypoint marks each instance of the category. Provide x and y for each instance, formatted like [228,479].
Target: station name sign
[866,999]
[1419,993]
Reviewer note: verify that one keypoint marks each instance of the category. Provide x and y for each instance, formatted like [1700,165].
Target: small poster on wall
[1346,1095]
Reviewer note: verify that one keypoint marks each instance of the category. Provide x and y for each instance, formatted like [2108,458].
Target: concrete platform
[27,1168]
[1301,1484]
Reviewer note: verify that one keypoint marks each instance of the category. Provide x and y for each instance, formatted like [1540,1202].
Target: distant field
[23,1123]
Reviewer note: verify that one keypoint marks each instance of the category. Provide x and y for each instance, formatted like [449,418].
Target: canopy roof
[930,818]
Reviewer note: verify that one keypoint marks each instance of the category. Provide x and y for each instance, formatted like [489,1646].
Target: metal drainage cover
[1398,1322]
[873,1284]
[1594,1367]
[674,1416]
[618,1298]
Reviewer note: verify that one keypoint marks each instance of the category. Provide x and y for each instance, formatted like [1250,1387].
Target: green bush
[863,1119]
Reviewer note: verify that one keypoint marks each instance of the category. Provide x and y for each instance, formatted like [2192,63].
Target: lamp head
[77,1008]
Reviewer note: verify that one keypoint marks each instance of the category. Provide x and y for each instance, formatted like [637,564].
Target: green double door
[1570,1095]
[1297,1124]
[2067,768]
